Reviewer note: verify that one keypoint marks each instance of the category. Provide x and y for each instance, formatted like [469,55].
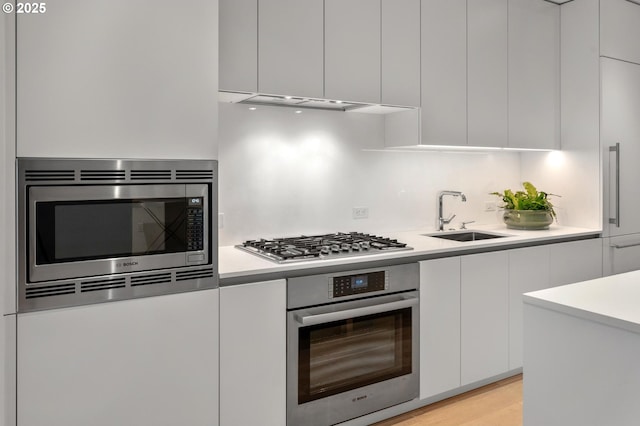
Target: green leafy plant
[529,199]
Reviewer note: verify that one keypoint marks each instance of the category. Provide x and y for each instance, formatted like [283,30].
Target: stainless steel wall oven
[97,230]
[352,343]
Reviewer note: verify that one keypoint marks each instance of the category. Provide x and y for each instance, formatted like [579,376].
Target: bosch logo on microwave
[125,264]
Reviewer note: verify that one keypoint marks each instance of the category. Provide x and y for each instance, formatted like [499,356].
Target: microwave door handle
[308,319]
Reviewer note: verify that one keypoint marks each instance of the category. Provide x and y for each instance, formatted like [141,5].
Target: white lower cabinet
[471,308]
[439,326]
[148,361]
[575,261]
[7,370]
[537,268]
[463,320]
[253,354]
[528,271]
[484,323]
[621,254]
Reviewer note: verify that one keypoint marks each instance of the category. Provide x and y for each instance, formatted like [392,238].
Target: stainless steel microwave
[99,230]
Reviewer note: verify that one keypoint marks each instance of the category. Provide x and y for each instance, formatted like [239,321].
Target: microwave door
[96,230]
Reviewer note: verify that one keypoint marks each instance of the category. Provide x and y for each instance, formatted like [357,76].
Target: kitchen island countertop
[237,266]
[611,300]
[581,346]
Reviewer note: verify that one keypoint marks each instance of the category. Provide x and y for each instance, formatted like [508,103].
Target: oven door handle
[307,319]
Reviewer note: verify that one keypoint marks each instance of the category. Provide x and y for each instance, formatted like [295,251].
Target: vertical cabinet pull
[616,220]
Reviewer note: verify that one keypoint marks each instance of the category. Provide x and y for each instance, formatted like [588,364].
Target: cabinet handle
[616,220]
[623,246]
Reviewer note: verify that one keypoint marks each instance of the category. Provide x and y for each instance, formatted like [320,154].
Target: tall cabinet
[620,138]
[620,132]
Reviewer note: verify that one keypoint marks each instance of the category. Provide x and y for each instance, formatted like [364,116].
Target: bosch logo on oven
[125,264]
[359,398]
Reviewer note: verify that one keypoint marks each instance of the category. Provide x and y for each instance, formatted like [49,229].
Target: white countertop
[612,300]
[236,263]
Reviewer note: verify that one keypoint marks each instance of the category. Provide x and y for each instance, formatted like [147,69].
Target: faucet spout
[441,220]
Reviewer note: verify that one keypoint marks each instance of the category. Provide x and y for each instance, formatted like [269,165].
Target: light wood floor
[497,404]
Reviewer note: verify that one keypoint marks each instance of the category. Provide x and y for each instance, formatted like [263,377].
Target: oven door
[79,231]
[352,358]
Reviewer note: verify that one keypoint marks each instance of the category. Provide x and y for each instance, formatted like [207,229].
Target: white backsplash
[284,174]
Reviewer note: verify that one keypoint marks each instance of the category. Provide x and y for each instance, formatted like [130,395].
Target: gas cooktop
[314,247]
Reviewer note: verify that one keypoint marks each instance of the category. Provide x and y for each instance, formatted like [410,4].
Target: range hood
[300,102]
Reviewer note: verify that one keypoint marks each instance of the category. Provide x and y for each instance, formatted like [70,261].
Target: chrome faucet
[441,220]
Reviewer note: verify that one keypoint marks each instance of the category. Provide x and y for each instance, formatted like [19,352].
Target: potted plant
[528,209]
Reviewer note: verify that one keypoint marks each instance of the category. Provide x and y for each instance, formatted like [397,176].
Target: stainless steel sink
[464,236]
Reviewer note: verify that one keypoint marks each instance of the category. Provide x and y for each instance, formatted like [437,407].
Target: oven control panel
[195,224]
[349,285]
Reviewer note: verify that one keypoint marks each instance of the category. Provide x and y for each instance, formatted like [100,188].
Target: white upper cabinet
[239,45]
[290,47]
[534,74]
[116,78]
[401,52]
[352,50]
[487,72]
[356,50]
[444,72]
[490,73]
[620,30]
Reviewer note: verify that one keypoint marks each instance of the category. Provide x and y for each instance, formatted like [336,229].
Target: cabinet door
[487,72]
[238,45]
[621,254]
[352,50]
[439,326]
[528,271]
[444,72]
[620,30]
[8,370]
[401,52]
[575,261]
[118,78]
[534,74]
[290,47]
[253,355]
[149,361]
[484,316]
[620,103]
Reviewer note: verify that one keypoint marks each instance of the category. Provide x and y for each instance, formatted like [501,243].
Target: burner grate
[309,247]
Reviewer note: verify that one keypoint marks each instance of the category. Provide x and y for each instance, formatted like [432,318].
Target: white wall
[283,174]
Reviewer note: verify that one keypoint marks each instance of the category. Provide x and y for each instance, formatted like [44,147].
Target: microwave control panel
[195,224]
[349,285]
